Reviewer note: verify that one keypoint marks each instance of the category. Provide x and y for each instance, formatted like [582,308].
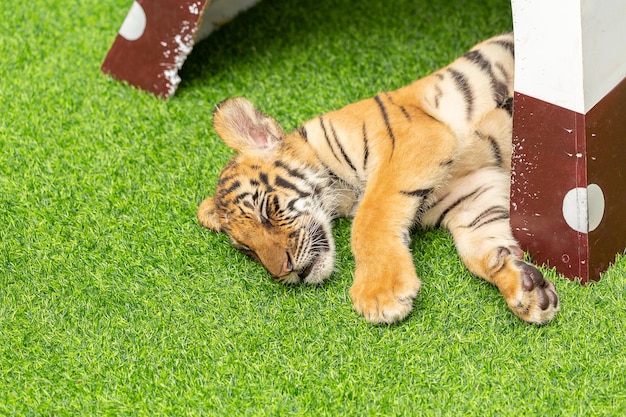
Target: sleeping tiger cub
[434,153]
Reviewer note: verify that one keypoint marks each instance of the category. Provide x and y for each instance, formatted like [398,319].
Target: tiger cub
[434,153]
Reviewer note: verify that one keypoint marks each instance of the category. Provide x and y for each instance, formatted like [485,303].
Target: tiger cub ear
[207,215]
[244,128]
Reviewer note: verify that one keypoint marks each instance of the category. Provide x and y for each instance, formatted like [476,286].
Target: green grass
[114,301]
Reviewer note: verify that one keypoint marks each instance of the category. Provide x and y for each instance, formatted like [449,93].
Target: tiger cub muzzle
[302,256]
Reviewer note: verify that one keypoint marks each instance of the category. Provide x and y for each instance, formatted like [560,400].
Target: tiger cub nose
[285,268]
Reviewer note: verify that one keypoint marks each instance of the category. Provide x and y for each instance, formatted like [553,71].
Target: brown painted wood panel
[606,156]
[556,150]
[548,161]
[152,61]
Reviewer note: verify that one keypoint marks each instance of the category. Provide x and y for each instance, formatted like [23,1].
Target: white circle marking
[135,23]
[583,208]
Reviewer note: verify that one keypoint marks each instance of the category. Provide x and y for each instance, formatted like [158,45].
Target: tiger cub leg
[385,281]
[475,210]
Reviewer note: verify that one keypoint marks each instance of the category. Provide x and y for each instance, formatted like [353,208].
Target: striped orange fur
[434,153]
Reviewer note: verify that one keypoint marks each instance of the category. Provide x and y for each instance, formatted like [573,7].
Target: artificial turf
[114,301]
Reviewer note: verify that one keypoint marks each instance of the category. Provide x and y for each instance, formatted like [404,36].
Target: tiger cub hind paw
[536,300]
[384,301]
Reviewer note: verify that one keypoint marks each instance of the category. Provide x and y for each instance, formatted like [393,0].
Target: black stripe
[299,243]
[426,206]
[343,152]
[438,90]
[508,77]
[383,111]
[503,216]
[495,149]
[477,58]
[264,213]
[333,176]
[402,108]
[225,179]
[455,204]
[328,138]
[508,106]
[508,45]
[405,112]
[446,163]
[500,90]
[240,197]
[438,95]
[281,182]
[266,183]
[488,212]
[418,193]
[276,204]
[292,172]
[302,131]
[291,206]
[366,149]
[235,185]
[463,85]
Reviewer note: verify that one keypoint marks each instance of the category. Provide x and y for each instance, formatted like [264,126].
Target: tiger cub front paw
[534,299]
[384,299]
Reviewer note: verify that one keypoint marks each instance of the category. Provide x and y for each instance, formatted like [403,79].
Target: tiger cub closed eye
[434,153]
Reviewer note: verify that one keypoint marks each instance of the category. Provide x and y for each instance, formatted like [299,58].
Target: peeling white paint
[194,8]
[184,46]
[173,79]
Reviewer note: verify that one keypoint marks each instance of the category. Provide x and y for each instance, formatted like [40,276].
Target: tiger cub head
[270,197]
